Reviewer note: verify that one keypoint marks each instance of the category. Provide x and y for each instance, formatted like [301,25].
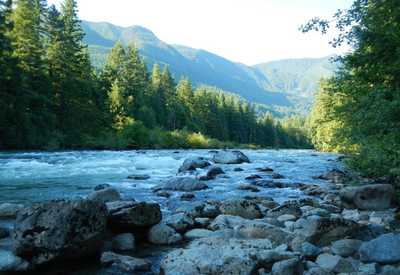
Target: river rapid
[30,177]
[27,177]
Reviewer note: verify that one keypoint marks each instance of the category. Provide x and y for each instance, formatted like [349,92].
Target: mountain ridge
[261,83]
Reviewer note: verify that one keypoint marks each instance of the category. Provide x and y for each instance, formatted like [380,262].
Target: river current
[27,177]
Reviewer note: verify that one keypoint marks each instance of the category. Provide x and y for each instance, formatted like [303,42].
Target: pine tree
[34,99]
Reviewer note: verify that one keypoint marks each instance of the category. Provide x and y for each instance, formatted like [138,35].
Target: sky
[246,31]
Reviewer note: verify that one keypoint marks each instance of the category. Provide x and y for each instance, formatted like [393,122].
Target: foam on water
[30,177]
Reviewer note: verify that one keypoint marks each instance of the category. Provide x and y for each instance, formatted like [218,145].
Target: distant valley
[284,85]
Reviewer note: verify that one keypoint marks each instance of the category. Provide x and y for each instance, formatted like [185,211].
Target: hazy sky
[247,31]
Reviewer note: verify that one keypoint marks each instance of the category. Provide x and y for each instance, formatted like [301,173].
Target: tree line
[358,110]
[52,97]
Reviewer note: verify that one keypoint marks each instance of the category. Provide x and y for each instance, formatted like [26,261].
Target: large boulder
[368,197]
[230,157]
[384,250]
[185,184]
[220,256]
[10,210]
[60,230]
[322,231]
[192,164]
[105,195]
[241,207]
[130,215]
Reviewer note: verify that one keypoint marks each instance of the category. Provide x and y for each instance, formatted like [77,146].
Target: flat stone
[230,157]
[199,233]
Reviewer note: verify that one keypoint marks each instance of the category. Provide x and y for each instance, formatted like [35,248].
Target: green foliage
[358,110]
[53,98]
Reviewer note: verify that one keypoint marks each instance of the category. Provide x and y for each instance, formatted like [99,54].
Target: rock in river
[128,215]
[185,184]
[60,230]
[191,164]
[241,207]
[368,197]
[230,157]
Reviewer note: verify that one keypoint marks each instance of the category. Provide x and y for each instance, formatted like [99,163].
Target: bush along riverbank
[335,228]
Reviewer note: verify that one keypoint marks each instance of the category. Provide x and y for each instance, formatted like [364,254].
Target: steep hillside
[284,85]
[296,76]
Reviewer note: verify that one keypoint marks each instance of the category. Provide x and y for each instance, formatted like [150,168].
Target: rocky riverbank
[335,228]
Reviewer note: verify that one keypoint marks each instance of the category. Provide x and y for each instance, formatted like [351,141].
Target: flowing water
[41,176]
[28,177]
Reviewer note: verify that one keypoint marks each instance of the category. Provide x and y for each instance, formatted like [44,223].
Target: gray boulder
[105,195]
[10,210]
[384,250]
[322,231]
[218,256]
[60,230]
[199,233]
[133,215]
[192,164]
[123,242]
[185,184]
[125,263]
[230,157]
[164,235]
[368,197]
[241,207]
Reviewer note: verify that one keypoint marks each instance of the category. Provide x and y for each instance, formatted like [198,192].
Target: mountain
[278,84]
[297,76]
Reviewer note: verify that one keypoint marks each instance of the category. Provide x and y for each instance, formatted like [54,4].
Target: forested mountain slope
[275,84]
